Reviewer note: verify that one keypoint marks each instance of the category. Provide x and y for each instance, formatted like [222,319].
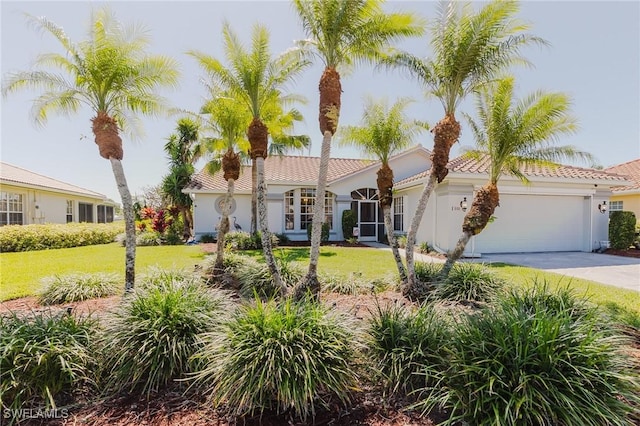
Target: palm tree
[279,124]
[384,132]
[469,49]
[512,135]
[255,79]
[183,149]
[111,74]
[341,33]
[228,120]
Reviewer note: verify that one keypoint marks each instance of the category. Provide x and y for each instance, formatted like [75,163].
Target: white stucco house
[31,198]
[558,211]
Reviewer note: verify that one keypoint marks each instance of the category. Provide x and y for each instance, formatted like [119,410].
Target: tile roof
[463,164]
[18,175]
[631,170]
[282,169]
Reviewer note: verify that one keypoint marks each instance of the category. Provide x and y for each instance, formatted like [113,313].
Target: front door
[368,220]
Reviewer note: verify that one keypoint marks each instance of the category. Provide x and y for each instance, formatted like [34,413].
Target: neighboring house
[27,198]
[627,197]
[558,211]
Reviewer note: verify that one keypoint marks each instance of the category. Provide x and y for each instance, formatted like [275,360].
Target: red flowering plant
[161,221]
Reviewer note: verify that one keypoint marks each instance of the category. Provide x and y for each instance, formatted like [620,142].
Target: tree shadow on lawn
[289,254]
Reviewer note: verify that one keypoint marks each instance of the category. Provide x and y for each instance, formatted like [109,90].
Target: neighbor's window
[105,214]
[11,209]
[615,206]
[85,212]
[303,200]
[398,214]
[69,211]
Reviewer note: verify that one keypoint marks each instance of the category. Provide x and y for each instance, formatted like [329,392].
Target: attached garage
[535,223]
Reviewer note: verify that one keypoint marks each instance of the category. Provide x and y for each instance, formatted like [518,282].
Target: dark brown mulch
[625,253]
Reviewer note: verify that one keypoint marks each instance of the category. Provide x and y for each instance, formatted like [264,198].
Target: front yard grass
[21,272]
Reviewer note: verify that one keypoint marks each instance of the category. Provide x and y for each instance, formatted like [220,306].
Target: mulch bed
[625,253]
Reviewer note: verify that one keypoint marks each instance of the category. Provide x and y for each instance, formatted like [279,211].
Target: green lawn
[21,272]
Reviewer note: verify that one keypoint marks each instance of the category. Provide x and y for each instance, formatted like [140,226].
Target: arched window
[365,194]
[298,208]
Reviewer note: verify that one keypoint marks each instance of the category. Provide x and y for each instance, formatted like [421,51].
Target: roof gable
[10,174]
[631,170]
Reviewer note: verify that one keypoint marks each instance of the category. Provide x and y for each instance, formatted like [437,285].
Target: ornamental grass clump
[148,341]
[538,358]
[407,348]
[470,282]
[284,356]
[159,277]
[255,278]
[43,357]
[78,287]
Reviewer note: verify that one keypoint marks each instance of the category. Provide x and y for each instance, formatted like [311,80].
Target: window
[289,211]
[85,212]
[69,211]
[615,206]
[11,209]
[105,214]
[305,199]
[398,214]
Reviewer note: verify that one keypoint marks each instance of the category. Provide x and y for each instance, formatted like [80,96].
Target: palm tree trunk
[224,227]
[483,206]
[411,287]
[393,242]
[188,217]
[254,197]
[186,224]
[264,228]
[311,283]
[129,224]
[455,254]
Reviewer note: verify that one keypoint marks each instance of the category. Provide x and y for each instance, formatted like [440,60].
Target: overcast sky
[594,57]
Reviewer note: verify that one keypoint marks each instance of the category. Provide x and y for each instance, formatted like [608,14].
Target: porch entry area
[369,214]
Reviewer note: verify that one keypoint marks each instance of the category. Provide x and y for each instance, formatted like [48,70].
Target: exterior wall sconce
[603,207]
[463,204]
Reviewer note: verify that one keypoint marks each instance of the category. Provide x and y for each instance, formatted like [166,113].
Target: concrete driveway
[602,268]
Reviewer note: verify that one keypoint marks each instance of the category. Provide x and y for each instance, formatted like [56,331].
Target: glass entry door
[368,220]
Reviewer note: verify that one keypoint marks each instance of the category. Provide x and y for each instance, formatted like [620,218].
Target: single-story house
[27,198]
[558,211]
[627,197]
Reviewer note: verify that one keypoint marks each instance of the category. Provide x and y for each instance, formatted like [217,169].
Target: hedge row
[54,236]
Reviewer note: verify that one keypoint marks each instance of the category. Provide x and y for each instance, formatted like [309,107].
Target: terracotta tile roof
[282,169]
[17,175]
[463,164]
[629,169]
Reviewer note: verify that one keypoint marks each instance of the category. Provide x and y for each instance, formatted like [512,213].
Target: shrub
[468,281]
[537,358]
[349,221]
[407,348]
[54,236]
[77,287]
[242,240]
[324,233]
[282,238]
[43,356]
[280,356]
[622,229]
[148,341]
[208,238]
[425,248]
[148,238]
[402,241]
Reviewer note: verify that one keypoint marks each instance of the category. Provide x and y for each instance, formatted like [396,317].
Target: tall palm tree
[228,120]
[384,132]
[341,33]
[183,150]
[110,73]
[255,79]
[469,49]
[513,134]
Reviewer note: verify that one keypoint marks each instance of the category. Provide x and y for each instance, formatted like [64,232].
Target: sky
[594,56]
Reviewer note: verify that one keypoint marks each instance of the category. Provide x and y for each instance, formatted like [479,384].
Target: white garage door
[534,223]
